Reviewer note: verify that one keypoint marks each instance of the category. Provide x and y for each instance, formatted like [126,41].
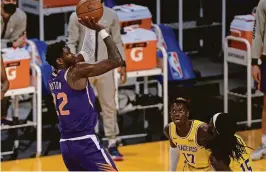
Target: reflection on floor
[148,156]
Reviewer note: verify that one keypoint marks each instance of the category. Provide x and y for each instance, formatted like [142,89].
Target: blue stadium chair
[49,116]
[109,3]
[45,67]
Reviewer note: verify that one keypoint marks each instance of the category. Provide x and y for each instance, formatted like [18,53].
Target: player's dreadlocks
[225,144]
[54,51]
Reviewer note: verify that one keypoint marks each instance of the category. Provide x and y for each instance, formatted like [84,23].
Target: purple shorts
[263,74]
[86,155]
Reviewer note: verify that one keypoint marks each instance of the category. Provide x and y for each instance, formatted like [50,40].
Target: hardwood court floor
[140,157]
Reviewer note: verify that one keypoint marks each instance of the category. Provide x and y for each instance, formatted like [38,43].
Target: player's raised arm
[85,70]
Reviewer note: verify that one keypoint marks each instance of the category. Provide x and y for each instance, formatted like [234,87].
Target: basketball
[90,8]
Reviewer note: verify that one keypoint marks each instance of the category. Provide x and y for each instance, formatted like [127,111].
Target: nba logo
[175,66]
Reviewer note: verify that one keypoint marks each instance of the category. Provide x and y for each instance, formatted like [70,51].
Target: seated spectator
[13,25]
[13,34]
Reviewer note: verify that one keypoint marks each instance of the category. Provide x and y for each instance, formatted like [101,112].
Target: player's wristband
[254,62]
[103,34]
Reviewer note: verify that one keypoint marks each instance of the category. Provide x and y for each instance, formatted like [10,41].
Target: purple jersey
[75,108]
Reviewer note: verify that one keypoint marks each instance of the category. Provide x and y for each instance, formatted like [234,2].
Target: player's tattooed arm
[113,52]
[85,70]
[166,133]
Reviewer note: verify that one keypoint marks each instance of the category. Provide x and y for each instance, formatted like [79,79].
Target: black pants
[5,103]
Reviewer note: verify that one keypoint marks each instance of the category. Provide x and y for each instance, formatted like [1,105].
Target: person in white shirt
[259,72]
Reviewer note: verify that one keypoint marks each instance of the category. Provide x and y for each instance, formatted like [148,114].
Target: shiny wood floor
[144,157]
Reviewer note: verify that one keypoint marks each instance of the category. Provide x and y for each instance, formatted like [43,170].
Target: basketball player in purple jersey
[74,102]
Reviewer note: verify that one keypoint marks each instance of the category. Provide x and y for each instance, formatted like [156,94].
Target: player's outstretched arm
[85,70]
[174,151]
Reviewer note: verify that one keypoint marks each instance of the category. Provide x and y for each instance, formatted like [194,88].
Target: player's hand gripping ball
[91,24]
[90,9]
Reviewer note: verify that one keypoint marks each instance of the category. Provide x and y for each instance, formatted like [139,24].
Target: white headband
[214,118]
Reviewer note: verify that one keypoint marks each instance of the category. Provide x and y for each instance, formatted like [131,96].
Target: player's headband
[181,99]
[214,118]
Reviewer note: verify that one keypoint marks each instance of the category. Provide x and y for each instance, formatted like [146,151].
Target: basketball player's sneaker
[115,154]
[259,153]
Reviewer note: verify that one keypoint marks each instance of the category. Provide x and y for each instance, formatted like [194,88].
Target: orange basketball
[90,8]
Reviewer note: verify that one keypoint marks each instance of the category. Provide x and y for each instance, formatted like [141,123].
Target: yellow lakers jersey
[244,164]
[195,155]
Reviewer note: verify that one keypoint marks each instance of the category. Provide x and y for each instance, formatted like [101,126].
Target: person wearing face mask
[13,34]
[104,84]
[13,25]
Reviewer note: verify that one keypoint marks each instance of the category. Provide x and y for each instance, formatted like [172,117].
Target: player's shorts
[85,154]
[263,74]
[188,167]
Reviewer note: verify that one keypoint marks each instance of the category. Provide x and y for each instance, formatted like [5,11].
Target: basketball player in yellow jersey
[228,150]
[185,137]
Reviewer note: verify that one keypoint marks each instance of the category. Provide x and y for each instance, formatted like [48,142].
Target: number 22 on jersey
[61,106]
